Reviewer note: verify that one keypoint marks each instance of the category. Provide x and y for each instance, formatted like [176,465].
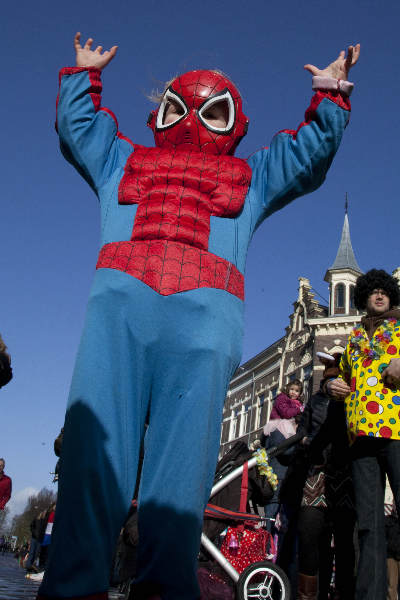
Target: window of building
[261,400]
[274,392]
[246,419]
[242,418]
[300,322]
[339,295]
[352,296]
[307,372]
[234,425]
[292,377]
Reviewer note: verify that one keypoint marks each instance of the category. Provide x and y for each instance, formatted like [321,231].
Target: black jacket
[311,420]
[280,462]
[314,414]
[331,440]
[5,369]
[58,443]
[37,529]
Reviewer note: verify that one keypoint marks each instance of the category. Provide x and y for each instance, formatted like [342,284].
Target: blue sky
[49,219]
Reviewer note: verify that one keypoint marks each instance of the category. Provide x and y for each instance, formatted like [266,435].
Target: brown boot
[307,587]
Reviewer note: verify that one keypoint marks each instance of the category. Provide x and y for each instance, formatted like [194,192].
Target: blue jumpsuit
[165,358]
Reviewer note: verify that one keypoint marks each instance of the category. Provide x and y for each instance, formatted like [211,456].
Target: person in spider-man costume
[163,329]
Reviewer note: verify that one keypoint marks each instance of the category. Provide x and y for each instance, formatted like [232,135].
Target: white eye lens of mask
[226,97]
[168,97]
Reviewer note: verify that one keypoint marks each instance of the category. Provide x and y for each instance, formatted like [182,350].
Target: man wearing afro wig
[369,383]
[163,329]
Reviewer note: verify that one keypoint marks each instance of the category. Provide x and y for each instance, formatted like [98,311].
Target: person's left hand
[86,57]
[391,375]
[339,68]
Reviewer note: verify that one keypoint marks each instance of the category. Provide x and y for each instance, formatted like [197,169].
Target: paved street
[14,586]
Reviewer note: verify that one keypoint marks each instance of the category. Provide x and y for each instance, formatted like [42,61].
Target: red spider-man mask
[196,98]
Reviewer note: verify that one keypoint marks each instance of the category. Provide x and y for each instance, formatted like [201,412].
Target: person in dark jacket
[327,505]
[5,364]
[327,509]
[5,485]
[392,529]
[57,451]
[37,532]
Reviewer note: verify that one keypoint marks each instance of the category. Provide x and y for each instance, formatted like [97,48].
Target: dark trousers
[316,527]
[270,512]
[33,553]
[372,460]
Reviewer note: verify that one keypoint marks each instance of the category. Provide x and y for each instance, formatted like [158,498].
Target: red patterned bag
[244,544]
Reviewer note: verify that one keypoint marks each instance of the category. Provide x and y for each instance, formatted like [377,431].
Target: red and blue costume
[163,329]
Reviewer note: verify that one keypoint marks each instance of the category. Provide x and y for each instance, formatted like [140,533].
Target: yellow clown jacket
[371,408]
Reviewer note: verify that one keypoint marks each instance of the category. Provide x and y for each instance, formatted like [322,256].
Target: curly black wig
[375,279]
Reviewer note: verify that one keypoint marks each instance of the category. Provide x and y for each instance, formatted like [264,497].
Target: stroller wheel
[263,581]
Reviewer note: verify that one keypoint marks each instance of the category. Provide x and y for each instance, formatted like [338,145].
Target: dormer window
[352,296]
[339,297]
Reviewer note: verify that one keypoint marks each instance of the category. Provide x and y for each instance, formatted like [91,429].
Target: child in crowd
[163,329]
[286,407]
[281,425]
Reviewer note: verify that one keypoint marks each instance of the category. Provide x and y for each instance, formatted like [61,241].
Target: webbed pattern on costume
[177,193]
[170,267]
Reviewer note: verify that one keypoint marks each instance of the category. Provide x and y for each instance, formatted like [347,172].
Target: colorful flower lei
[264,468]
[374,348]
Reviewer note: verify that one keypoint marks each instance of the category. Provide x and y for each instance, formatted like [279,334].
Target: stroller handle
[252,462]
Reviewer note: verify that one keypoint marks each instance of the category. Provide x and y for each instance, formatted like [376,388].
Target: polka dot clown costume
[163,329]
[372,408]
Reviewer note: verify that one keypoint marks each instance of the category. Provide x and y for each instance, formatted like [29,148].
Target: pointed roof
[345,258]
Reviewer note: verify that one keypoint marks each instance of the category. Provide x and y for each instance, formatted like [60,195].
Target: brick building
[312,327]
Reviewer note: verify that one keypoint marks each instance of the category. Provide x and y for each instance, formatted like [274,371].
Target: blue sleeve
[297,162]
[88,133]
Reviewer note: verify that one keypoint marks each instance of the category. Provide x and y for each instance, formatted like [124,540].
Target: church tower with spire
[342,275]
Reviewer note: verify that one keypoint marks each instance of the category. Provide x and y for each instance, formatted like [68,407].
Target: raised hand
[338,69]
[86,57]
[391,375]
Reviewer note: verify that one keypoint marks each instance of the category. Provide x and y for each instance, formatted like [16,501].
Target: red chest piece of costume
[177,193]
[190,176]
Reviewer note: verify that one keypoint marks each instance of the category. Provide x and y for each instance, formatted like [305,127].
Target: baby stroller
[260,580]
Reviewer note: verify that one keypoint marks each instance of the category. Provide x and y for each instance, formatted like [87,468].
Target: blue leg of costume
[172,356]
[182,445]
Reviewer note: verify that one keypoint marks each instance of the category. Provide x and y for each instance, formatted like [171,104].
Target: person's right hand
[339,68]
[338,387]
[86,57]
